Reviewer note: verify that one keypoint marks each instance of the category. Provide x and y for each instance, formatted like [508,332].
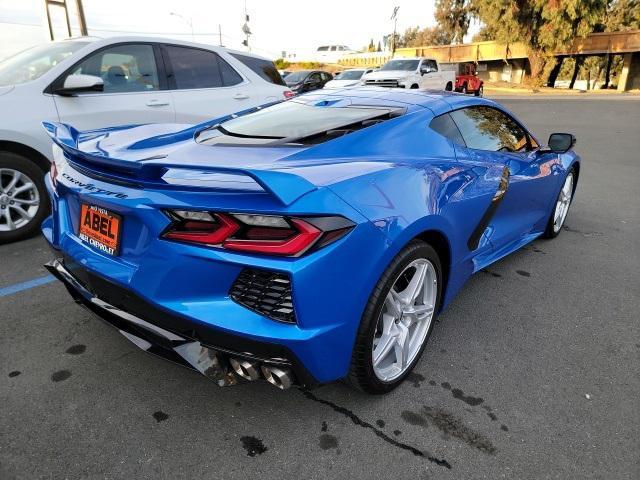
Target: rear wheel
[398,320]
[561,209]
[464,89]
[414,86]
[23,197]
[480,91]
[449,87]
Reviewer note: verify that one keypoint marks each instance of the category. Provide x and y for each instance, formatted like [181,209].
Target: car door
[432,79]
[134,90]
[203,85]
[313,82]
[493,138]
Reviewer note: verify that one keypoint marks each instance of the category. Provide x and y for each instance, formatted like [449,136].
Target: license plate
[100,228]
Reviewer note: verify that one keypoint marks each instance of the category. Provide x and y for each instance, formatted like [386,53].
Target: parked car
[468,81]
[94,83]
[325,251]
[284,73]
[307,80]
[422,73]
[347,78]
[331,53]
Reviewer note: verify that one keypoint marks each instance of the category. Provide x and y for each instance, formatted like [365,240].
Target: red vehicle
[468,81]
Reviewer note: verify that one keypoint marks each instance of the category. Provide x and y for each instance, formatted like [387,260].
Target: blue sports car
[301,242]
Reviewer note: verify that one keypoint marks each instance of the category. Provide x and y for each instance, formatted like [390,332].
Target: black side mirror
[561,142]
[424,70]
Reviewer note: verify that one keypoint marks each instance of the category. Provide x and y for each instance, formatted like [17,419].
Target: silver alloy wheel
[564,201]
[19,199]
[405,319]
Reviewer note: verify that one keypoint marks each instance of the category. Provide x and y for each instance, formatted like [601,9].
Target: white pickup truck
[424,73]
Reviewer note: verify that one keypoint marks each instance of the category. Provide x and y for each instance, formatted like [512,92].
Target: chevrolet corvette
[302,242]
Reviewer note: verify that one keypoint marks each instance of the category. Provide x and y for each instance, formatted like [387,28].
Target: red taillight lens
[209,231]
[288,94]
[305,235]
[266,234]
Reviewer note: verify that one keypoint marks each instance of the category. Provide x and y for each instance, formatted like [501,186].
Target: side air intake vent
[264,292]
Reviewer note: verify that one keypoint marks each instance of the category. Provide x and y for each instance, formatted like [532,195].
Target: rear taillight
[288,94]
[264,234]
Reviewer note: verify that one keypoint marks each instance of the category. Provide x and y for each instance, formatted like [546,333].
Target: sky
[276,25]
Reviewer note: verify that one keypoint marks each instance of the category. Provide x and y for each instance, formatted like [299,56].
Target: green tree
[542,25]
[371,47]
[622,15]
[416,37]
[453,17]
[379,48]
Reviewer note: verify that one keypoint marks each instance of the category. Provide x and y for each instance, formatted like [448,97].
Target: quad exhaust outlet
[280,377]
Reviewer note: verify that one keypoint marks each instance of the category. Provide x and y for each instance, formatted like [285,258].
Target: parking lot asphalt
[533,371]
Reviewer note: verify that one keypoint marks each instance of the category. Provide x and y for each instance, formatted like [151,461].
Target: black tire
[464,89]
[14,161]
[480,91]
[361,374]
[449,87]
[414,86]
[549,231]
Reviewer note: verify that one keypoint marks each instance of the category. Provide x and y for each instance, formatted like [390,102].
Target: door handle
[240,96]
[157,103]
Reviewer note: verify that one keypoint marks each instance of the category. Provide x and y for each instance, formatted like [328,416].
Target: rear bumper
[174,338]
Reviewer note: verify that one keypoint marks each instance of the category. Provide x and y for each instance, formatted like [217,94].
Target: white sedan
[92,83]
[348,78]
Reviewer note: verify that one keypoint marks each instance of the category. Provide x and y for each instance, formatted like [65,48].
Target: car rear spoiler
[284,186]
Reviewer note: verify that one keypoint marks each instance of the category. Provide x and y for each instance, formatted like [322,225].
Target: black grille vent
[264,292]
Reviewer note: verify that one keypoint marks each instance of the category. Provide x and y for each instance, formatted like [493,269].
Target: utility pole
[81,19]
[394,17]
[245,28]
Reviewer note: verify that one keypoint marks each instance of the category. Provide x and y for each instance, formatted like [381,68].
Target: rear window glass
[264,68]
[295,119]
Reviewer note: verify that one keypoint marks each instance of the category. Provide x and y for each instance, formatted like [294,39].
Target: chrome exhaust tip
[247,369]
[280,377]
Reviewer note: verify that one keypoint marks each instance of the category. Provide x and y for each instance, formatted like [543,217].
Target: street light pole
[394,17]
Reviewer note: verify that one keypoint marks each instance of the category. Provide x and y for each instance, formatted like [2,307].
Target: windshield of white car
[400,65]
[349,75]
[296,119]
[31,64]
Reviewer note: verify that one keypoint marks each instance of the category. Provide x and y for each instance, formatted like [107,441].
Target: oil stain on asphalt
[379,433]
[60,375]
[415,378]
[15,373]
[253,445]
[523,273]
[459,395]
[160,416]
[449,425]
[328,441]
[76,349]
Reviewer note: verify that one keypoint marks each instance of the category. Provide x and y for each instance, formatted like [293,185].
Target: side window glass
[314,77]
[485,128]
[432,65]
[445,126]
[124,68]
[194,68]
[229,76]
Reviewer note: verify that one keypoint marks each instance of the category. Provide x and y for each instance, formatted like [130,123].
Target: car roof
[96,41]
